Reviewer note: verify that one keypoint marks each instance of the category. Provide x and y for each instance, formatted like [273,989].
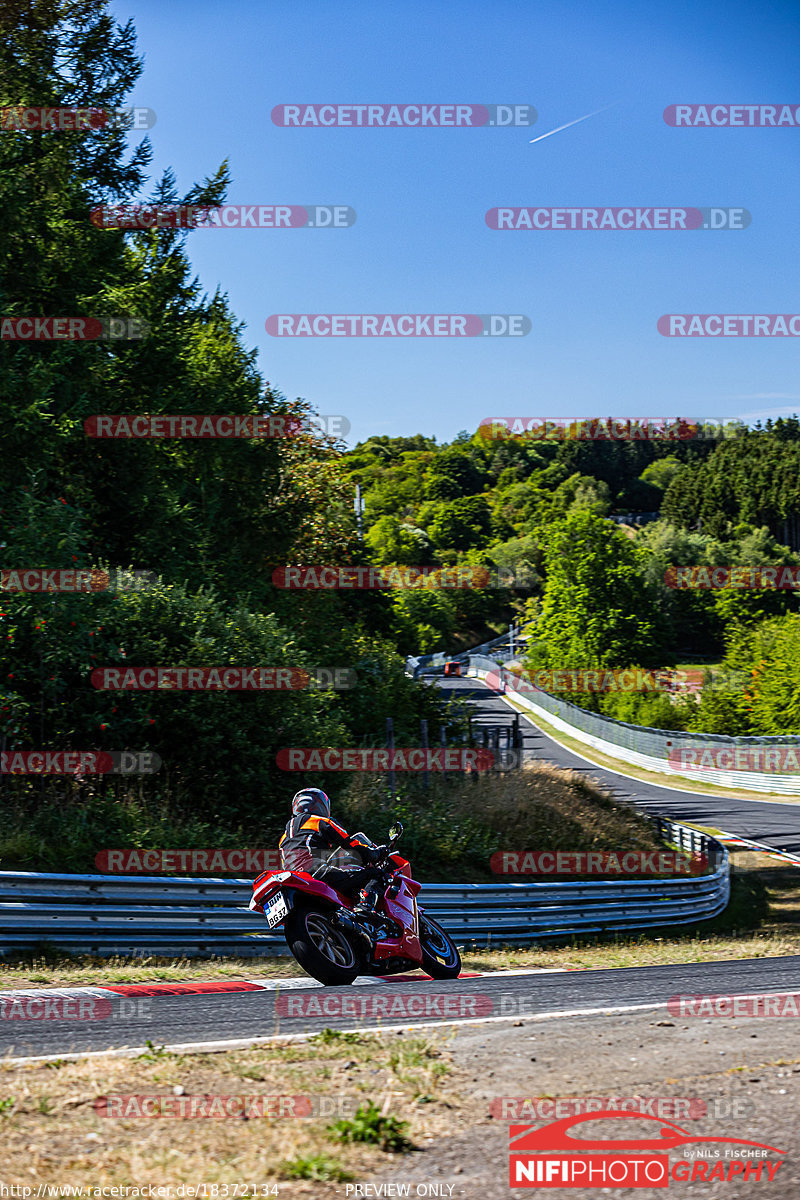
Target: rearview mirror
[396,831]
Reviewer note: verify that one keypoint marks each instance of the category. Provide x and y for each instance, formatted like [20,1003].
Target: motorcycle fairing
[273,881]
[402,908]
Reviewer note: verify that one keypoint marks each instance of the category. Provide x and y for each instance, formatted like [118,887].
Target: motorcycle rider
[309,837]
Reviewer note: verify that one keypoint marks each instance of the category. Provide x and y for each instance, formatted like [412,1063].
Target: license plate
[276,910]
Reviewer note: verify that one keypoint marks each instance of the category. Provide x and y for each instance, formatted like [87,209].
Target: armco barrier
[108,914]
[415,664]
[641,745]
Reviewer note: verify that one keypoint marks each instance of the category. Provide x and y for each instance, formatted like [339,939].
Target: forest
[573,539]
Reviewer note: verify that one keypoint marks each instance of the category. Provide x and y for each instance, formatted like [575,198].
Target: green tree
[661,472]
[462,524]
[453,473]
[211,518]
[598,609]
[391,541]
[581,492]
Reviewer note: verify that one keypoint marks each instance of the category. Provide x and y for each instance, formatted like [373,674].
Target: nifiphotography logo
[589,1160]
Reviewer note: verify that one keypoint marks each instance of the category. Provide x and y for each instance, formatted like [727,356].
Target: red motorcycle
[334,944]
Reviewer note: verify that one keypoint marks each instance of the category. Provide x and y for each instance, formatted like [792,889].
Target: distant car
[453,668]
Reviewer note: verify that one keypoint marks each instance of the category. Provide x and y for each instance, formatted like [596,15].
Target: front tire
[323,950]
[440,956]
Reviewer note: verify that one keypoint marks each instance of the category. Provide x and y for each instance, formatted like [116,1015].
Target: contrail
[575,122]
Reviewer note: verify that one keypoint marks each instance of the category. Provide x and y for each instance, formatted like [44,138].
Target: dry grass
[545,807]
[641,951]
[51,1132]
[452,830]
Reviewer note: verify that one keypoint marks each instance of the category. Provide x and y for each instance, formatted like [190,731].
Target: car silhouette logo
[557,1136]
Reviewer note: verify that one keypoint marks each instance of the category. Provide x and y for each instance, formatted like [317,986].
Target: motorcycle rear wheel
[323,951]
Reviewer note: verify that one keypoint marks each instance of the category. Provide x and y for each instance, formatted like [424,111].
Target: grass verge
[53,1126]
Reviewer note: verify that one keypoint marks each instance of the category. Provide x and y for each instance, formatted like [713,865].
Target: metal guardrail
[107,914]
[645,746]
[430,662]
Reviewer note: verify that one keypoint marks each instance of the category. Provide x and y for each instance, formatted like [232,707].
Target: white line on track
[216,1047]
[221,1046]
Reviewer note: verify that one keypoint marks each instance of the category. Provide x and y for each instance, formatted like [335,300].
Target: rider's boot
[368,899]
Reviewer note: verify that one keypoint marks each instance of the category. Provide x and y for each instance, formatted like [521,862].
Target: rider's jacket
[308,840]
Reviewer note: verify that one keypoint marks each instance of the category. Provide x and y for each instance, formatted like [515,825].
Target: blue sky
[420,244]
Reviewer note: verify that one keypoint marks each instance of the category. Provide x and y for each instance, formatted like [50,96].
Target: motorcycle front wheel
[323,950]
[440,956]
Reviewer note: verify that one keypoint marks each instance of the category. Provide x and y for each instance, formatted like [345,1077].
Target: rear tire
[323,950]
[440,956]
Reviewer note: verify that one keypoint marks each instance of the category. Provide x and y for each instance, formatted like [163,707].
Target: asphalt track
[185,1021]
[194,1021]
[773,823]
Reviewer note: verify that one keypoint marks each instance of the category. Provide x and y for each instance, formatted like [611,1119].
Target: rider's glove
[378,853]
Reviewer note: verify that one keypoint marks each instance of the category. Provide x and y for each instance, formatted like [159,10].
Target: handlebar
[393,840]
